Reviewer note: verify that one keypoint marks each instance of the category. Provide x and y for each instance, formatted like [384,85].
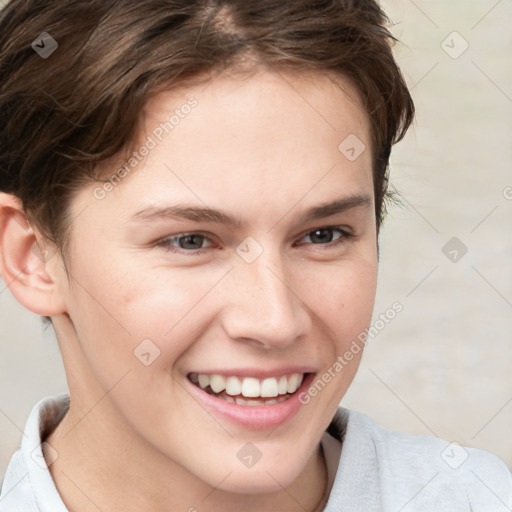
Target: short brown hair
[64,114]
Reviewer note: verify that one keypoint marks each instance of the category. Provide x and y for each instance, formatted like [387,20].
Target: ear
[24,261]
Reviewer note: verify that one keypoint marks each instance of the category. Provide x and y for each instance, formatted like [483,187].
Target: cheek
[355,319]
[343,297]
[344,302]
[119,308]
[360,297]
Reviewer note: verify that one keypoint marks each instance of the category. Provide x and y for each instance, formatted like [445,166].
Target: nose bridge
[265,307]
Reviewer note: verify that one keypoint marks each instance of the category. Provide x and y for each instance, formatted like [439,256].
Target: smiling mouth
[249,390]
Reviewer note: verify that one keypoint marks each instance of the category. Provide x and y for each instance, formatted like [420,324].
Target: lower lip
[255,417]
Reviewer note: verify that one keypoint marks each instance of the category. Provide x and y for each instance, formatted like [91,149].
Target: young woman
[191,194]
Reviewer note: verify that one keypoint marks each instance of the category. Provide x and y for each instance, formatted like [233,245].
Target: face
[208,328]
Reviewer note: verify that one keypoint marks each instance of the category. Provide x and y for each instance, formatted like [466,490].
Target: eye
[187,243]
[192,243]
[324,236]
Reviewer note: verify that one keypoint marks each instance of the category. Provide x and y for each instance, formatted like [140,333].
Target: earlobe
[23,264]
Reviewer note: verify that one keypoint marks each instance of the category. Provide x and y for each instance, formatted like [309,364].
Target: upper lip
[256,373]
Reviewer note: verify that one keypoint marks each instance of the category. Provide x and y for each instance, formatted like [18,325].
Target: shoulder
[425,470]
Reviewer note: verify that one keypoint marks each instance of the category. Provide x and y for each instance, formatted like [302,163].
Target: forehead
[259,95]
[240,141]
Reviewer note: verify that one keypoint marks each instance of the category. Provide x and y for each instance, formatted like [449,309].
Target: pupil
[320,237]
[187,239]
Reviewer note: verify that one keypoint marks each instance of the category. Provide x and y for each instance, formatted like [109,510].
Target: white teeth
[204,381]
[269,387]
[250,387]
[233,386]
[241,401]
[294,381]
[252,403]
[217,383]
[282,386]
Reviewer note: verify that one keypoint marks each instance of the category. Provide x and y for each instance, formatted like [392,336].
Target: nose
[265,307]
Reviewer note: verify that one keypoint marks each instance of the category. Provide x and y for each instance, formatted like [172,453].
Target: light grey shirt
[370,469]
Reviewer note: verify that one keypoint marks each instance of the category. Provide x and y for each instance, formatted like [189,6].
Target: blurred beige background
[443,366]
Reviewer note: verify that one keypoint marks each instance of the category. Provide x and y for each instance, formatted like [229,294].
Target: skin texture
[263,148]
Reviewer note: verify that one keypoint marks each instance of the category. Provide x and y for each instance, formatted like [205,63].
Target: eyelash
[166,243]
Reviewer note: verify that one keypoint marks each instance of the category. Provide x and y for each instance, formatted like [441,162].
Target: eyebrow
[201,214]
